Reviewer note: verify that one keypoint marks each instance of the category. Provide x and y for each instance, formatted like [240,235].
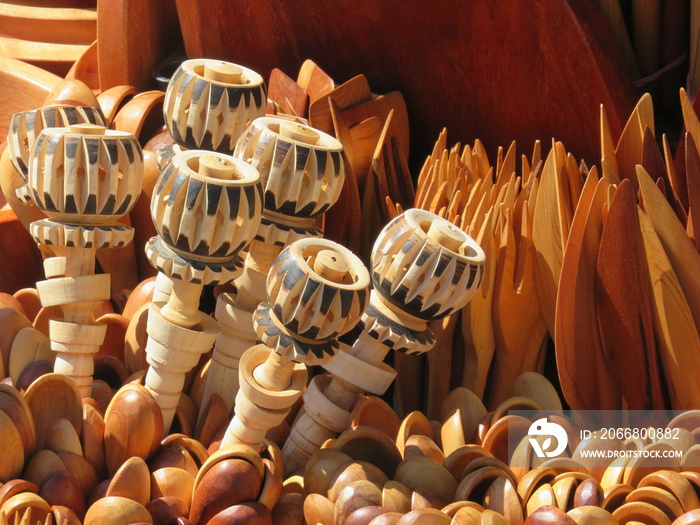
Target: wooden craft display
[302,170]
[423,268]
[209,103]
[84,178]
[206,207]
[316,290]
[26,126]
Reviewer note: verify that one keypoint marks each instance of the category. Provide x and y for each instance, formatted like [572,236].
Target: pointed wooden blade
[677,336]
[624,305]
[678,247]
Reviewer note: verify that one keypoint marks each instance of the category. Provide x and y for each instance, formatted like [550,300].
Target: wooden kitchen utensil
[206,208]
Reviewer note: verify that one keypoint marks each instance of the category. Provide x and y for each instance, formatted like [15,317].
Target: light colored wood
[84,178]
[206,107]
[303,181]
[317,291]
[206,208]
[354,91]
[406,296]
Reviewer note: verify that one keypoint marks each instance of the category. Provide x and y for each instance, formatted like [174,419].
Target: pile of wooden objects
[224,269]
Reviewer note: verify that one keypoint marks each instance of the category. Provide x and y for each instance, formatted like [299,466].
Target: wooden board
[491,69]
[133,36]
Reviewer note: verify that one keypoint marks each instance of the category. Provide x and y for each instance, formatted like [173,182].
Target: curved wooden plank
[480,76]
[623,304]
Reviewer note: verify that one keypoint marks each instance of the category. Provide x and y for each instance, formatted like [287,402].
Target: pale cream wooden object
[317,291]
[209,103]
[206,207]
[423,268]
[302,170]
[84,178]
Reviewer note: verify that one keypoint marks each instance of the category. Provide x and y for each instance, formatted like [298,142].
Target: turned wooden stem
[182,307]
[275,373]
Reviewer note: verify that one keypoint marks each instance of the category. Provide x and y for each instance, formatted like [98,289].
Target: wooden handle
[432,270]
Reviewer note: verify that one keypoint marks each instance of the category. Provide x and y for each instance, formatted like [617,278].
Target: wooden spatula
[623,304]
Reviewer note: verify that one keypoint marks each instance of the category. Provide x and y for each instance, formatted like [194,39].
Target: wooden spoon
[623,304]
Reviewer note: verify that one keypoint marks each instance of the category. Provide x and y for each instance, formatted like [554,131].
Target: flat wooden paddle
[623,305]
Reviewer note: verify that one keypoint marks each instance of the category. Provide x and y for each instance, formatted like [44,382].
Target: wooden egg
[63,437]
[418,445]
[175,457]
[99,492]
[81,470]
[132,480]
[216,417]
[364,515]
[116,511]
[396,497]
[453,508]
[689,518]
[164,510]
[23,350]
[225,483]
[42,466]
[458,460]
[615,496]
[31,373]
[60,489]
[249,513]
[413,423]
[173,482]
[372,446]
[319,510]
[588,492]
[12,458]
[289,510]
[196,450]
[660,498]
[133,426]
[542,497]
[531,481]
[490,517]
[358,494]
[549,515]
[142,294]
[508,427]
[676,484]
[15,407]
[422,498]
[422,472]
[468,516]
[52,397]
[425,516]
[640,512]
[371,411]
[388,518]
[320,468]
[502,497]
[12,322]
[351,471]
[93,439]
[591,516]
